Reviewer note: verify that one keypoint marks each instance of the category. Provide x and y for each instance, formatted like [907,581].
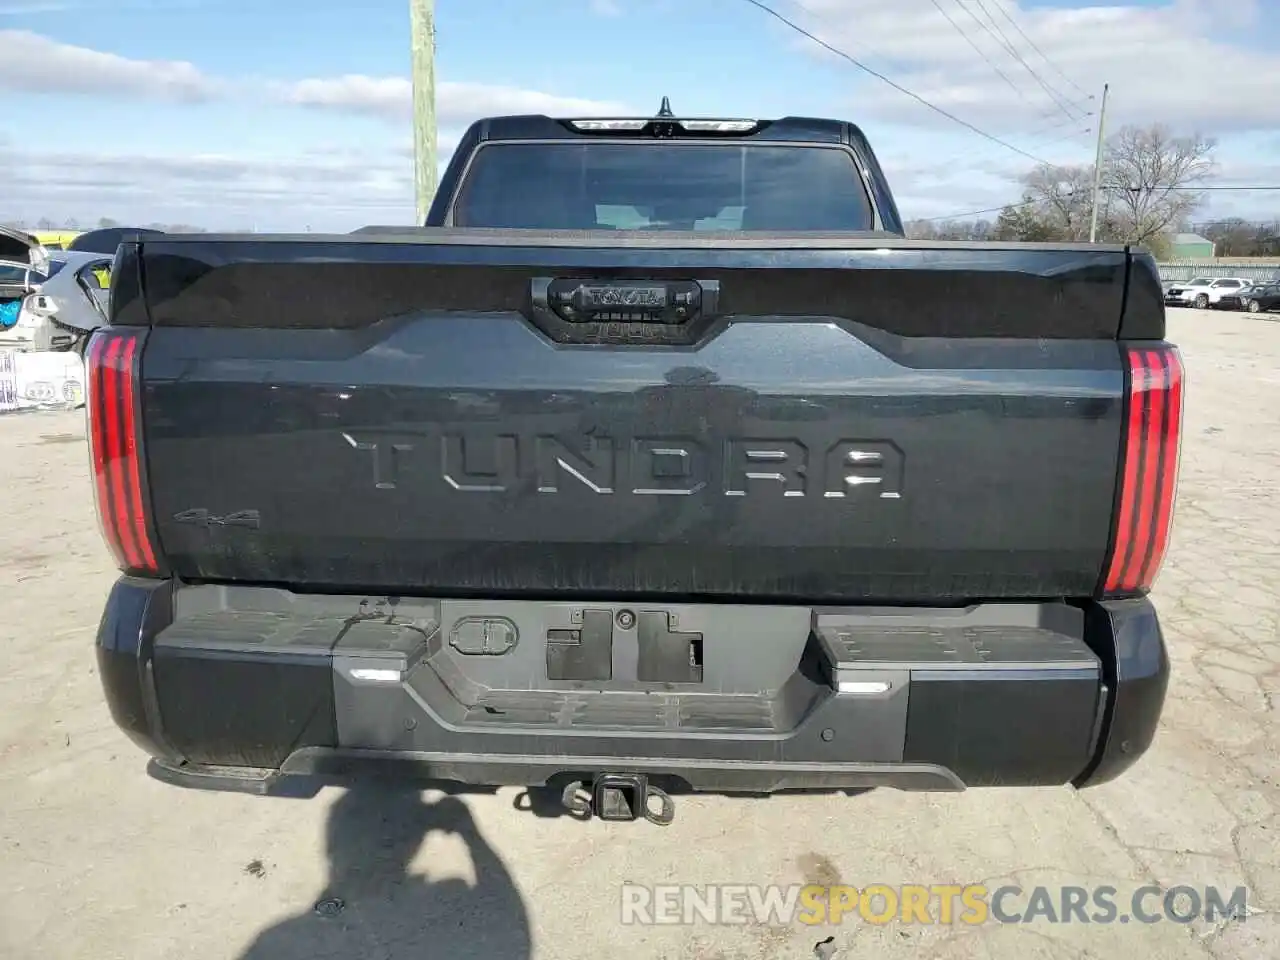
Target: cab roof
[540,127]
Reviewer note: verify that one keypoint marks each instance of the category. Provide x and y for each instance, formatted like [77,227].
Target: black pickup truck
[657,460]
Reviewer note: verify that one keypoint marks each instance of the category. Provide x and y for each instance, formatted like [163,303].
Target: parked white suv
[1205,292]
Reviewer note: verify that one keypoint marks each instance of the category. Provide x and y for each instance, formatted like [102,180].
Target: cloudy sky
[294,114]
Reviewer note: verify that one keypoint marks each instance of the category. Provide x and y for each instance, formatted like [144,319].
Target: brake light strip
[117,450]
[1150,465]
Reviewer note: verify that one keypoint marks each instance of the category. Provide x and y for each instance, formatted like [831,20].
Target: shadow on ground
[372,908]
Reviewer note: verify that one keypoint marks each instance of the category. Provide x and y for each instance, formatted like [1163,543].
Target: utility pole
[1097,164]
[422,25]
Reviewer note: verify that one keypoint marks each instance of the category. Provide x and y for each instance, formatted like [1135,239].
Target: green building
[1190,246]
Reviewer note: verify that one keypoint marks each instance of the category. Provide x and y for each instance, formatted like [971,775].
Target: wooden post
[422,23]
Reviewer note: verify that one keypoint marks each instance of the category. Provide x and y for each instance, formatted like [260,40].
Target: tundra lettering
[592,463]
[653,466]
[483,467]
[672,465]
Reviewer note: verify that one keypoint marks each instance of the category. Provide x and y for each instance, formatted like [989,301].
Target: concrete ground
[99,861]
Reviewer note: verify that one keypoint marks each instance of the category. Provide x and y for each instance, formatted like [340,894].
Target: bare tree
[1059,197]
[980,230]
[1237,237]
[1020,221]
[949,229]
[921,230]
[1151,177]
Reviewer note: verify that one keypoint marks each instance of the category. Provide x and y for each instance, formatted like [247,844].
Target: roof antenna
[665,109]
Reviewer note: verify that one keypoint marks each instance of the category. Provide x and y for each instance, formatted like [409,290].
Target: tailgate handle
[626,301]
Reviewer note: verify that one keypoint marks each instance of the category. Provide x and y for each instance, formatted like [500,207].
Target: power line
[970,154]
[760,5]
[982,53]
[1054,93]
[974,213]
[1058,70]
[1066,136]
[1195,189]
[1057,124]
[1003,39]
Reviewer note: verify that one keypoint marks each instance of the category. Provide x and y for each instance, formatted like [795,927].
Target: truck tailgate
[843,422]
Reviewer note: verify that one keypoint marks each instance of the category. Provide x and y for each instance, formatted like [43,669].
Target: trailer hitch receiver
[620,797]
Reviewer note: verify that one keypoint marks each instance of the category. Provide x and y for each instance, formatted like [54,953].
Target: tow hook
[619,797]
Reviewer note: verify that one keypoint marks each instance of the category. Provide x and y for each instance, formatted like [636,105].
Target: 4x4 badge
[203,518]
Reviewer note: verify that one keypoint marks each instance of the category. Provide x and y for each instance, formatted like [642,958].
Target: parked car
[17,279]
[106,239]
[1236,299]
[69,304]
[56,239]
[1220,288]
[1261,297]
[1203,292]
[23,266]
[757,507]
[56,297]
[1175,293]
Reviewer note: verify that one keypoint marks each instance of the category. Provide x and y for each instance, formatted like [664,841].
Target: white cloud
[23,8]
[355,93]
[457,103]
[334,190]
[1238,172]
[31,63]
[1187,64]
[1163,63]
[606,8]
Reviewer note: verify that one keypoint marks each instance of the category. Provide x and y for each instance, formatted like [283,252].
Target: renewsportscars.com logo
[934,904]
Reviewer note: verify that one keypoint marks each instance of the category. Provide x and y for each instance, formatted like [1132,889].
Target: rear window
[13,273]
[644,186]
[17,273]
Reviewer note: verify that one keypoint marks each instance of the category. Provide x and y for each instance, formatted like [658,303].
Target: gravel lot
[99,861]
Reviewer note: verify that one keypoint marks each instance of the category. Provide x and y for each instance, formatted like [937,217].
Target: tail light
[1149,468]
[115,444]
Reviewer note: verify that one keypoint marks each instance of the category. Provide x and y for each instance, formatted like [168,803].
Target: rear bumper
[234,688]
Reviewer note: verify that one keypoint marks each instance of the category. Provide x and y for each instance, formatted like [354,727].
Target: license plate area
[621,647]
[663,653]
